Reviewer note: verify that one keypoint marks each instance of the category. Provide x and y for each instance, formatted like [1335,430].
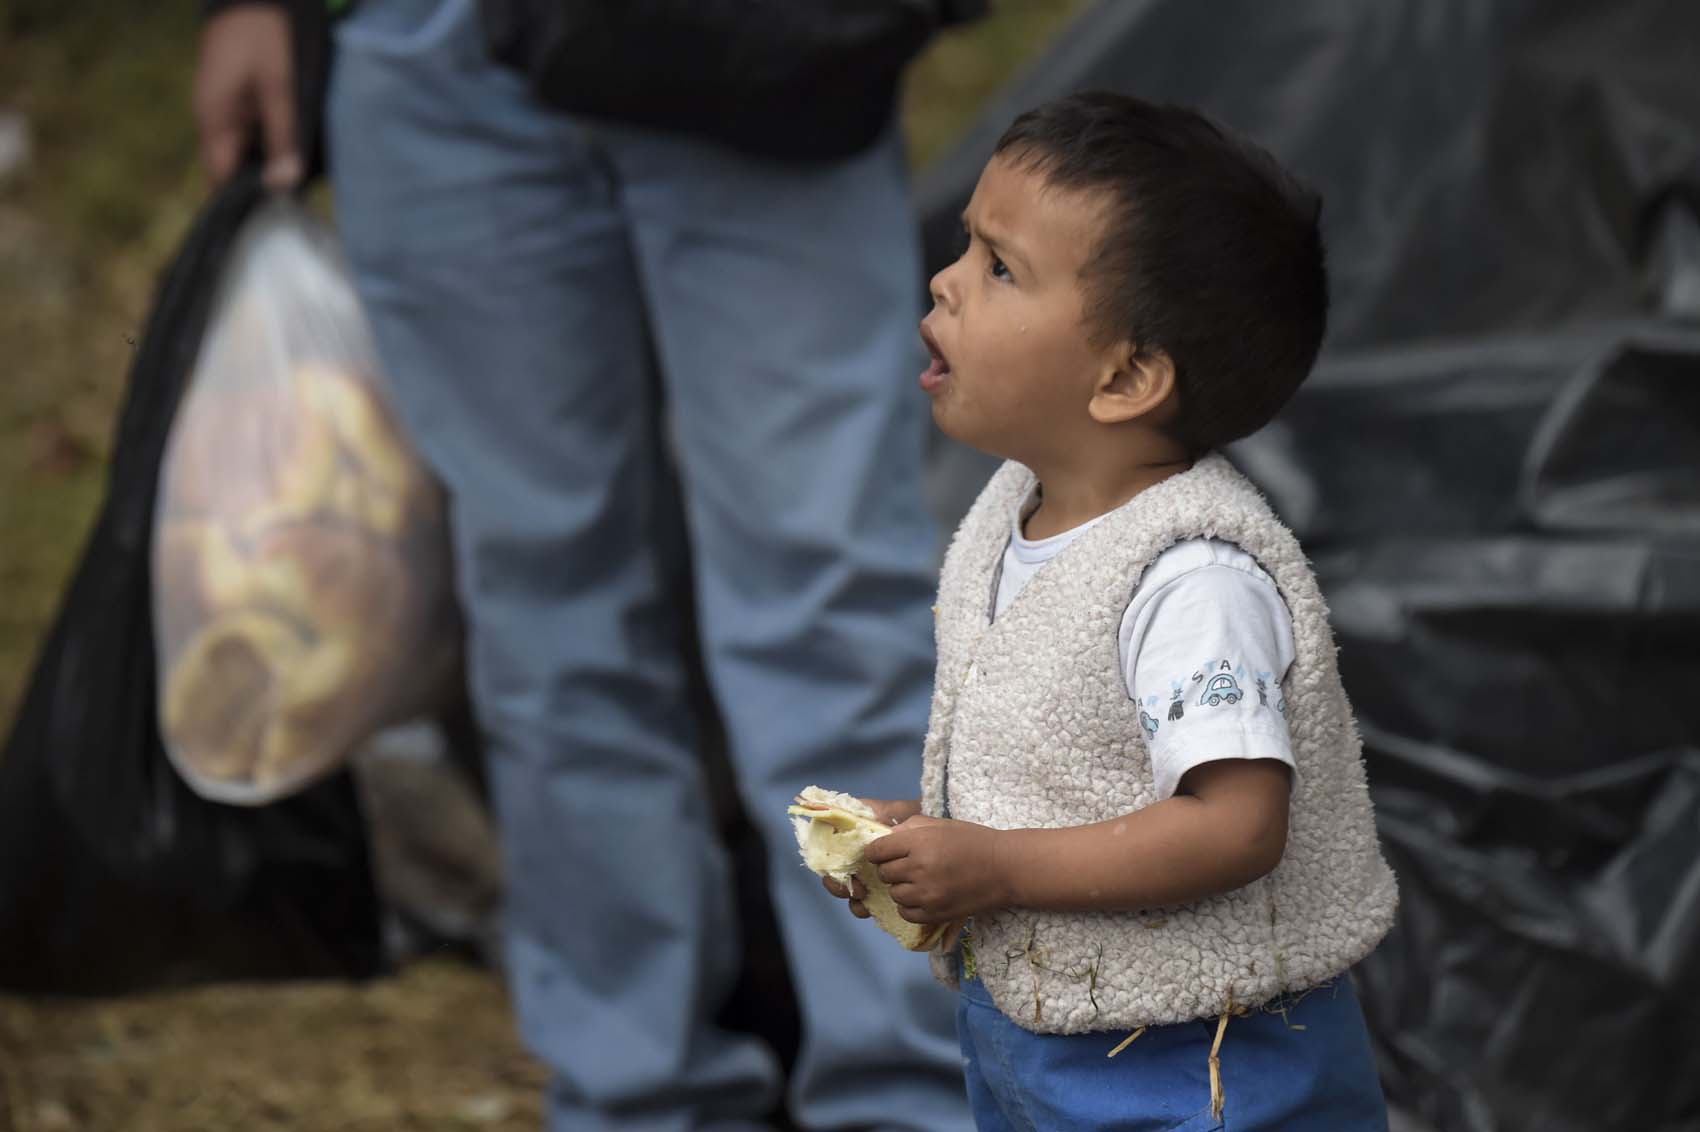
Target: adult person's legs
[785,298]
[490,248]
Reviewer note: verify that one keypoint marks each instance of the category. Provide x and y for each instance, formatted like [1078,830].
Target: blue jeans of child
[533,280]
[1308,1071]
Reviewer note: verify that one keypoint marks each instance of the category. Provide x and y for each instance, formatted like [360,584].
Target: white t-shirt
[1204,643]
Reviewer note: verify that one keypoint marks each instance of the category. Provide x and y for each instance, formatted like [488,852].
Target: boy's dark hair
[1210,252]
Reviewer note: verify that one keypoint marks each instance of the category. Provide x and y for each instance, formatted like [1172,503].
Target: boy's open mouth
[933,377]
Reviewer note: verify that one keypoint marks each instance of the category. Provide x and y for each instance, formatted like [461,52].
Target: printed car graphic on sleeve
[1220,688]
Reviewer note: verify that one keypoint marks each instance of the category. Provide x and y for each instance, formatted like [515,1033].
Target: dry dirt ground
[429,1050]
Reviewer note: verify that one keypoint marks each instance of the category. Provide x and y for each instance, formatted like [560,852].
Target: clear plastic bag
[301,591]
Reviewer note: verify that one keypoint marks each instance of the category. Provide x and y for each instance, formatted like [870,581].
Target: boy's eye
[999,269]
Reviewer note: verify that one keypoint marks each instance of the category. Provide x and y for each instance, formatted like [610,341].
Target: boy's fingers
[906,896]
[918,913]
[859,910]
[895,872]
[855,893]
[887,848]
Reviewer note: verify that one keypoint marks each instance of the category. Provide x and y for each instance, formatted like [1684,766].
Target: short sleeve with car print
[1205,644]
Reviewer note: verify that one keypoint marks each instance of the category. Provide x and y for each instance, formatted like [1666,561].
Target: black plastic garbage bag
[1513,573]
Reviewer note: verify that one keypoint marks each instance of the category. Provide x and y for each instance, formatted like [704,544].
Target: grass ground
[111,189]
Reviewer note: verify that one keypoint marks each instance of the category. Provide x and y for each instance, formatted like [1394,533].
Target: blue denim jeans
[1309,1070]
[533,281]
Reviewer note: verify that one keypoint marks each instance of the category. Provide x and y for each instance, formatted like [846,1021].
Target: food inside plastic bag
[301,590]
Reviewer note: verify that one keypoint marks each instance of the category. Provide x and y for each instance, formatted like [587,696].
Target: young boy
[1142,784]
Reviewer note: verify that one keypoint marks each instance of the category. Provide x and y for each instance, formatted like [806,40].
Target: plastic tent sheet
[1496,470]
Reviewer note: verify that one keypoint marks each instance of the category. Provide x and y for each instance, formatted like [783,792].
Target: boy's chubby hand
[941,870]
[890,812]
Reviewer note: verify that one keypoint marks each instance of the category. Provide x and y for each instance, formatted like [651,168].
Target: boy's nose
[942,290]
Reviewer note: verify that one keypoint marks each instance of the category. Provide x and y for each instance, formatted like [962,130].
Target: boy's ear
[1134,383]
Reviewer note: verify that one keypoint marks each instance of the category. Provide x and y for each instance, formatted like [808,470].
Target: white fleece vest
[1032,727]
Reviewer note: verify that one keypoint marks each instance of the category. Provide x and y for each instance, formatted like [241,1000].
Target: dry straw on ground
[433,1050]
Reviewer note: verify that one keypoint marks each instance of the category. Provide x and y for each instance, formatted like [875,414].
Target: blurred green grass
[111,190]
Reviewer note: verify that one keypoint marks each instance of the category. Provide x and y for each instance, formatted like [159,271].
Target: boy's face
[1013,368]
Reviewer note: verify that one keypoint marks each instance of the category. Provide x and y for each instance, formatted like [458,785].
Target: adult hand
[941,870]
[245,77]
